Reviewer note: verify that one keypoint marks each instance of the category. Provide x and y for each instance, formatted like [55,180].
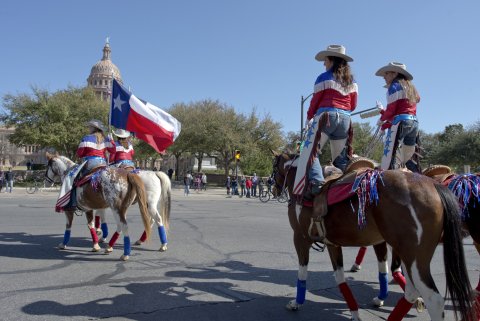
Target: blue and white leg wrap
[104,228]
[301,291]
[383,280]
[162,234]
[126,245]
[66,237]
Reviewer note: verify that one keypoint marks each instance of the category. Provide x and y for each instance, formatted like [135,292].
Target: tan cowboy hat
[335,51]
[96,124]
[395,67]
[122,133]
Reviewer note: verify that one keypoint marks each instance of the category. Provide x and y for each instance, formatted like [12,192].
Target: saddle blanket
[336,194]
[66,189]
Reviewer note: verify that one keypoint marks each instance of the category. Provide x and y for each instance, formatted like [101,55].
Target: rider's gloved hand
[380,122]
[380,106]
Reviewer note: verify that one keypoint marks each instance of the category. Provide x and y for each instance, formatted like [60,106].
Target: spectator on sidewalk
[9,180]
[2,177]
[242,186]
[228,185]
[248,185]
[187,180]
[204,182]
[254,184]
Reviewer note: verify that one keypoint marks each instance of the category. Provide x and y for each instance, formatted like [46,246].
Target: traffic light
[237,154]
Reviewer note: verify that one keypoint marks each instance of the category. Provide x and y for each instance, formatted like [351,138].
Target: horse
[156,190]
[466,188]
[411,214]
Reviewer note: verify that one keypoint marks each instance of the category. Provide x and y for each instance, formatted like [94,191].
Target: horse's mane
[67,161]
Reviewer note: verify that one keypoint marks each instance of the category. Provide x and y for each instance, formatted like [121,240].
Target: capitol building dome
[102,72]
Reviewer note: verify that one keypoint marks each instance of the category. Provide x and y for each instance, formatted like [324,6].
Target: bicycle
[264,195]
[40,186]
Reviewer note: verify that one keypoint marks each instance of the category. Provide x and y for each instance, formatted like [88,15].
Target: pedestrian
[2,178]
[234,186]
[261,185]
[328,116]
[204,182]
[187,180]
[270,183]
[9,177]
[248,186]
[254,184]
[228,185]
[399,118]
[170,173]
[242,186]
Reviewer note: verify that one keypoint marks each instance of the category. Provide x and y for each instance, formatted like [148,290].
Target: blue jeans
[408,132]
[92,163]
[336,128]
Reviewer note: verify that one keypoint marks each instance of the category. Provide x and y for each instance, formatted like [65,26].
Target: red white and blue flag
[151,124]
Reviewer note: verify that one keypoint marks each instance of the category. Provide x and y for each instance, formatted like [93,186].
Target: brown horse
[113,188]
[466,188]
[412,214]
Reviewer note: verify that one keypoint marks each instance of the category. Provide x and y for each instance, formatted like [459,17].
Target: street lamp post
[303,100]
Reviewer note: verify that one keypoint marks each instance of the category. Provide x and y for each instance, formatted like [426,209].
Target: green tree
[52,120]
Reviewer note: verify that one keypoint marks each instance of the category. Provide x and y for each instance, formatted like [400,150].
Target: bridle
[276,172]
[49,167]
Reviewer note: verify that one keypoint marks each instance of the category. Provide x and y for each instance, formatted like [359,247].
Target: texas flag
[149,123]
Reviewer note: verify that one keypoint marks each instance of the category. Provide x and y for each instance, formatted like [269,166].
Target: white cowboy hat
[122,133]
[335,51]
[395,67]
[96,124]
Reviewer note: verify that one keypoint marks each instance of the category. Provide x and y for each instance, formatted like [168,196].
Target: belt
[401,117]
[87,158]
[336,110]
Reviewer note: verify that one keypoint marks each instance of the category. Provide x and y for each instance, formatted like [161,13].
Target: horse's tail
[458,283]
[165,197]
[136,182]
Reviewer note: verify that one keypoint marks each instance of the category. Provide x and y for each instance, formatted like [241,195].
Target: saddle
[440,173]
[336,189]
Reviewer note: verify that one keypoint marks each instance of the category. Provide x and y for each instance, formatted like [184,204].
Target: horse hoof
[355,267]
[293,305]
[420,305]
[62,246]
[124,258]
[377,302]
[163,248]
[138,242]
[99,232]
[96,248]
[101,240]
[109,250]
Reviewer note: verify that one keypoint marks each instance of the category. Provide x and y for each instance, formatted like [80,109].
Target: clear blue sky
[249,53]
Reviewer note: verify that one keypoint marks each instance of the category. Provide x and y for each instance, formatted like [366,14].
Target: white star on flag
[117,102]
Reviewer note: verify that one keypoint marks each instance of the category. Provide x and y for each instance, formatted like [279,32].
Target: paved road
[228,259]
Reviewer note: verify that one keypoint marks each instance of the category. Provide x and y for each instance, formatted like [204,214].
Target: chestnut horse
[412,213]
[113,188]
[466,188]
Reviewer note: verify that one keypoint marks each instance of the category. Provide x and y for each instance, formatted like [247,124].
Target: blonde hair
[410,91]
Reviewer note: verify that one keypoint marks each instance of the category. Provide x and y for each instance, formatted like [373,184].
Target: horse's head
[284,169]
[56,168]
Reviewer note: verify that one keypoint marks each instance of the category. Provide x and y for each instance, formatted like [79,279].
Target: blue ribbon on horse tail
[66,237]
[162,234]
[127,248]
[301,291]
[104,228]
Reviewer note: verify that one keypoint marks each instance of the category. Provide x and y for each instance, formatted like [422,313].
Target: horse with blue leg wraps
[412,213]
[157,192]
